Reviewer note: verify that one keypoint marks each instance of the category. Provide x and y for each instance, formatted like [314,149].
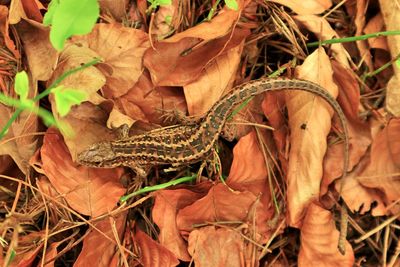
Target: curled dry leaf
[166,206]
[390,11]
[306,7]
[359,198]
[181,59]
[89,191]
[41,55]
[323,30]
[359,131]
[98,250]
[211,246]
[8,42]
[217,206]
[213,82]
[152,253]
[310,123]
[146,103]
[122,50]
[248,171]
[382,172]
[319,239]
[375,24]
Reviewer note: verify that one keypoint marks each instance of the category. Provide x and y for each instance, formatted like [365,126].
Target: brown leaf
[166,206]
[310,123]
[211,246]
[181,62]
[152,253]
[98,250]
[248,171]
[375,24]
[306,7]
[41,55]
[9,43]
[319,239]
[213,82]
[382,172]
[122,50]
[89,191]
[359,198]
[323,30]
[146,103]
[218,206]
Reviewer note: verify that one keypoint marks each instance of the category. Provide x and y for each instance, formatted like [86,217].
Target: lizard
[186,144]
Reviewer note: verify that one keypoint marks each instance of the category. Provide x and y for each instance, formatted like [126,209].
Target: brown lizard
[186,144]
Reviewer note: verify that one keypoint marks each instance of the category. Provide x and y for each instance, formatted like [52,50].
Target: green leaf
[398,63]
[72,17]
[51,9]
[164,2]
[66,98]
[21,86]
[232,4]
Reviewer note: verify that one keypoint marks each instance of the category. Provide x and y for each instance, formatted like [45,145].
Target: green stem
[158,187]
[353,38]
[46,93]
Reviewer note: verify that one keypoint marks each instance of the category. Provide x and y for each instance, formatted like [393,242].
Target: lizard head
[97,155]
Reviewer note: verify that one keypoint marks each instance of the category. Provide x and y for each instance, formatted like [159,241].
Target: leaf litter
[277,203]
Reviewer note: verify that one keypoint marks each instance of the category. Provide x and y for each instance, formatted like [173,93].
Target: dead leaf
[319,239]
[306,7]
[166,206]
[147,103]
[152,253]
[98,250]
[213,82]
[390,11]
[323,30]
[41,55]
[217,206]
[211,246]
[181,62]
[122,50]
[248,171]
[9,43]
[310,123]
[383,171]
[89,191]
[375,24]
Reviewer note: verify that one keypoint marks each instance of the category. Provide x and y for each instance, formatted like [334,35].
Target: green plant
[65,98]
[70,17]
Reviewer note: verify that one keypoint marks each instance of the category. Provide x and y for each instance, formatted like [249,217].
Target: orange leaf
[89,191]
[98,250]
[310,123]
[319,239]
[210,246]
[154,254]
[167,203]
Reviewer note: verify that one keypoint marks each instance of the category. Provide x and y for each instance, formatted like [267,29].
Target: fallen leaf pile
[270,197]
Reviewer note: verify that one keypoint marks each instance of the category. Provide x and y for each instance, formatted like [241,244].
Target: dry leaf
[152,253]
[310,123]
[166,206]
[320,27]
[210,246]
[383,171]
[306,7]
[375,24]
[181,62]
[89,191]
[213,82]
[319,239]
[98,250]
[122,50]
